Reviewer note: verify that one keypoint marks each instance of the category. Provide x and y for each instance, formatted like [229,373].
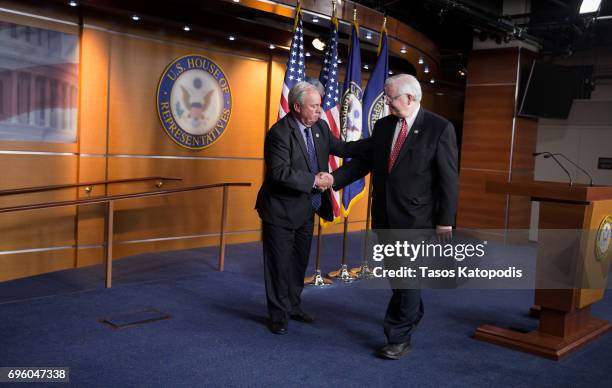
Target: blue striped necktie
[314,167]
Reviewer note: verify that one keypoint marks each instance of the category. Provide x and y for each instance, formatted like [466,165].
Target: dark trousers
[404,312]
[286,253]
[405,308]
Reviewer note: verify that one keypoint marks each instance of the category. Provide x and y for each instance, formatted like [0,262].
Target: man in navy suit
[296,150]
[412,155]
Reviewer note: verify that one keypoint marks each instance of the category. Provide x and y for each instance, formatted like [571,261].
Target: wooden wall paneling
[477,208]
[134,123]
[189,213]
[487,127]
[37,228]
[519,214]
[94,91]
[494,66]
[277,74]
[19,265]
[121,250]
[525,138]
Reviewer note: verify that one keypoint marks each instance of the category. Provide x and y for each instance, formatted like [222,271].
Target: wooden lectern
[565,318]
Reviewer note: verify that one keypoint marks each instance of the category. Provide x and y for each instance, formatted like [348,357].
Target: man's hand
[324,181]
[444,232]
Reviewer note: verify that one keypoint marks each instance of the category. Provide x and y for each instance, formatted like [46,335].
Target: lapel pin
[316,135]
[416,131]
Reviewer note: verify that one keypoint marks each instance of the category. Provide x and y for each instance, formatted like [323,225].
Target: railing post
[109,244]
[223,223]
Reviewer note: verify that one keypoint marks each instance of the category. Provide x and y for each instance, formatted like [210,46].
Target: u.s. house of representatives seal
[603,239]
[194,102]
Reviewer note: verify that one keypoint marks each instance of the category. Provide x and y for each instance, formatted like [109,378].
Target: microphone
[549,155]
[576,164]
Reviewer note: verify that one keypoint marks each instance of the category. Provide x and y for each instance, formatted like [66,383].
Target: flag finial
[355,14]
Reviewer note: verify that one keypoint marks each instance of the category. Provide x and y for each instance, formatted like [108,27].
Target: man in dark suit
[413,159]
[296,149]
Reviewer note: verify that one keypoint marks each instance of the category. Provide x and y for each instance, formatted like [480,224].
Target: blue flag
[351,116]
[374,106]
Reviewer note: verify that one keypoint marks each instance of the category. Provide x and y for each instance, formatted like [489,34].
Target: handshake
[324,181]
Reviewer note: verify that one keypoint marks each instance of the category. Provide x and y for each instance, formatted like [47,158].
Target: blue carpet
[217,335]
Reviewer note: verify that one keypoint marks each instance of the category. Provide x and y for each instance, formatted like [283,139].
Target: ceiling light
[236,1]
[369,35]
[403,50]
[231,37]
[589,6]
[271,47]
[318,44]
[187,28]
[426,69]
[421,61]
[390,72]
[72,3]
[432,81]
[307,54]
[315,19]
[366,67]
[135,18]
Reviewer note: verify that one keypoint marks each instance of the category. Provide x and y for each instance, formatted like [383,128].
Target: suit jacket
[284,198]
[421,190]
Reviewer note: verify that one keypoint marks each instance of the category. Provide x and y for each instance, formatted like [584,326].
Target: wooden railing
[88,185]
[109,200]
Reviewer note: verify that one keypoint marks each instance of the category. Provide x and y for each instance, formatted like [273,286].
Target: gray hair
[317,84]
[406,84]
[297,93]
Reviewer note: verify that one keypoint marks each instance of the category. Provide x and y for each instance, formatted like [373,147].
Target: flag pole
[343,273]
[317,279]
[364,272]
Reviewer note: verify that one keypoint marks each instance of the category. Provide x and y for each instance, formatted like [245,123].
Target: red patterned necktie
[398,144]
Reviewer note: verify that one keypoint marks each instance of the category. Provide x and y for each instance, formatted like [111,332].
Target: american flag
[296,69]
[331,100]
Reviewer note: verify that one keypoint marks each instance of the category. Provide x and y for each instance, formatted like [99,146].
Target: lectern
[565,321]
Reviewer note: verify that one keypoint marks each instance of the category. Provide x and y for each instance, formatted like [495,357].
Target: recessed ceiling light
[72,3]
[318,44]
[236,1]
[135,18]
[231,37]
[403,50]
[271,47]
[426,69]
[432,81]
[315,19]
[307,54]
[589,6]
[421,61]
[187,28]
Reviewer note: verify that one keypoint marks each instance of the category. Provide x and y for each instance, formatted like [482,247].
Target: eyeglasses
[389,100]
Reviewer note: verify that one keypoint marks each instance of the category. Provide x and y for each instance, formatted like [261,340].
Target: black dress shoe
[302,317]
[278,327]
[394,351]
